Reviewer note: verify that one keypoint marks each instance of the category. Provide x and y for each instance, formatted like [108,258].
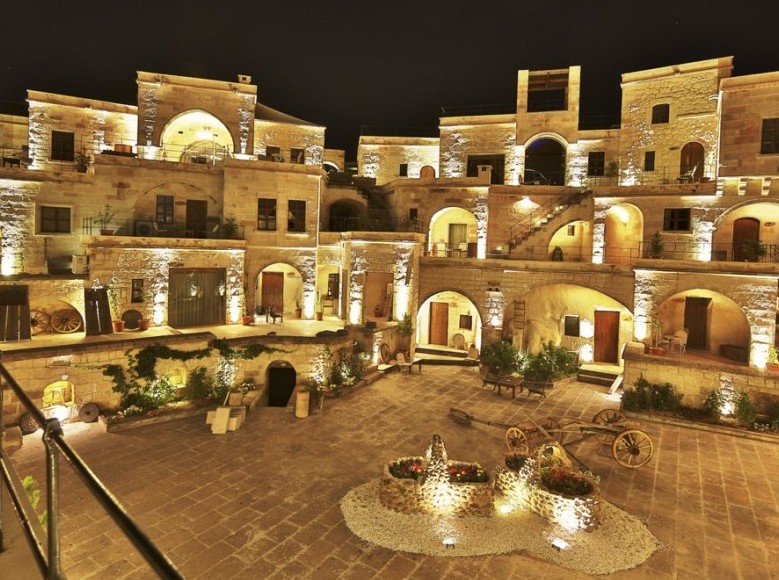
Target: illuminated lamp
[559,544]
[449,542]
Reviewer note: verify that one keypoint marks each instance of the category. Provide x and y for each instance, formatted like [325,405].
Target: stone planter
[581,512]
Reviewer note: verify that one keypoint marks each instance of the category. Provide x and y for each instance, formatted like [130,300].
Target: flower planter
[143,325]
[118,325]
[247,320]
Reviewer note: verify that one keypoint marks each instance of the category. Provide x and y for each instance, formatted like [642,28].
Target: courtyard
[263,501]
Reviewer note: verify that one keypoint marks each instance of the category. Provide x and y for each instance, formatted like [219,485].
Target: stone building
[529,223]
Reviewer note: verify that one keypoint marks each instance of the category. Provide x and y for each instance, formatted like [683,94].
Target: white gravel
[621,542]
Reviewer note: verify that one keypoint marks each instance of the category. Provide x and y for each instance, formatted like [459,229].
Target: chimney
[244,79]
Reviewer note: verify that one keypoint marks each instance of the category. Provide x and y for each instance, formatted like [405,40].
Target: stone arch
[574,240]
[280,285]
[446,234]
[547,305]
[766,212]
[427,172]
[726,323]
[692,159]
[346,215]
[623,234]
[545,154]
[196,136]
[330,167]
[457,304]
[281,379]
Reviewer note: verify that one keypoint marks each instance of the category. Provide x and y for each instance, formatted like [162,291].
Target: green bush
[746,409]
[712,405]
[503,357]
[651,396]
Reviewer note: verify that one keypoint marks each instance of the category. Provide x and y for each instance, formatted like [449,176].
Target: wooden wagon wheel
[608,417]
[516,440]
[39,321]
[66,321]
[632,448]
[554,428]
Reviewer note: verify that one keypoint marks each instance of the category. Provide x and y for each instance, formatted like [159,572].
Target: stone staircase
[600,377]
[540,219]
[434,355]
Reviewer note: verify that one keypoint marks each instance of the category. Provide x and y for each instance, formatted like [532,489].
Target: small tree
[502,357]
[656,246]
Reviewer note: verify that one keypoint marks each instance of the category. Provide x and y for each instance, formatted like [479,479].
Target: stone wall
[381,157]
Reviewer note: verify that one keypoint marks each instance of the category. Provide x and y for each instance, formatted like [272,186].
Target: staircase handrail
[518,227]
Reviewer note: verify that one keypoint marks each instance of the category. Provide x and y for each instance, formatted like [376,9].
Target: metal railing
[48,558]
[91,226]
[526,224]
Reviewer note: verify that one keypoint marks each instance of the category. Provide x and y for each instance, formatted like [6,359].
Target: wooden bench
[536,387]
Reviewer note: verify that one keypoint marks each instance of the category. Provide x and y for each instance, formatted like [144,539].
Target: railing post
[52,497]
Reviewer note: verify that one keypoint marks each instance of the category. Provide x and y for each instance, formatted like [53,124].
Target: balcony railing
[213,230]
[46,547]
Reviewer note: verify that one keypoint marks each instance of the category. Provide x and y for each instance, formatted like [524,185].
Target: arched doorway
[279,286]
[746,236]
[623,234]
[196,137]
[445,315]
[281,383]
[691,160]
[427,172]
[746,231]
[574,240]
[546,156]
[346,215]
[452,233]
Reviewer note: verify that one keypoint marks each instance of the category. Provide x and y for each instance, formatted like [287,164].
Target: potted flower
[248,314]
[298,309]
[104,219]
[83,161]
[113,303]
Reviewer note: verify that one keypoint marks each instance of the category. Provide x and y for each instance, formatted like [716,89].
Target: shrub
[503,357]
[746,409]
[651,396]
[712,405]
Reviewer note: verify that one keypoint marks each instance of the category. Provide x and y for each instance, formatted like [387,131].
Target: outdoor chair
[405,365]
[678,342]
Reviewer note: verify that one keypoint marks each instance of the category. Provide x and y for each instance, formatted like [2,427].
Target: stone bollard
[302,397]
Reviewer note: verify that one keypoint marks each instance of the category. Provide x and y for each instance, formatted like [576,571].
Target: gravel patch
[620,543]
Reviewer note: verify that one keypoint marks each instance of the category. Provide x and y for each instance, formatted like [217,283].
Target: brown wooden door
[606,336]
[745,230]
[439,323]
[273,290]
[197,218]
[696,321]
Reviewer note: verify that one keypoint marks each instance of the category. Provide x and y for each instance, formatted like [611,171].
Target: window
[571,325]
[296,216]
[403,170]
[62,146]
[649,160]
[661,113]
[297,155]
[273,153]
[769,141]
[466,321]
[164,209]
[136,290]
[676,220]
[266,214]
[571,229]
[55,220]
[596,163]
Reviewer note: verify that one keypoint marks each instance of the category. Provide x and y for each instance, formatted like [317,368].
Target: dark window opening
[676,220]
[273,153]
[466,321]
[297,155]
[136,290]
[649,160]
[403,170]
[495,161]
[164,209]
[571,325]
[661,113]
[769,140]
[55,220]
[296,219]
[596,163]
[571,230]
[62,146]
[266,214]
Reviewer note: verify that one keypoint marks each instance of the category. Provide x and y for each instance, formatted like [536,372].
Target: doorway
[606,348]
[439,323]
[273,291]
[696,321]
[194,297]
[691,160]
[746,233]
[281,384]
[197,218]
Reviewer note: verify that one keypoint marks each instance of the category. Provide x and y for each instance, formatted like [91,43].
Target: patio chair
[678,341]
[403,364]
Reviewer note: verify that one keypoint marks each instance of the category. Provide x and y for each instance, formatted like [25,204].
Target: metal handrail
[56,446]
[527,222]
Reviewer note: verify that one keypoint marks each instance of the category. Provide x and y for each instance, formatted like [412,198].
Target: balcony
[213,230]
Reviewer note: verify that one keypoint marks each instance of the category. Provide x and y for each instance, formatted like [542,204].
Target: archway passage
[453,233]
[546,156]
[746,233]
[691,161]
[280,287]
[346,215]
[448,319]
[196,137]
[281,384]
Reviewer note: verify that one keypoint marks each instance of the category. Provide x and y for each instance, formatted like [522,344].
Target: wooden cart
[630,447]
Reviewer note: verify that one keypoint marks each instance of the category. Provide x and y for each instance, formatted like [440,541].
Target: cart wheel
[553,427]
[632,448]
[516,440]
[66,321]
[88,412]
[39,321]
[28,424]
[608,417]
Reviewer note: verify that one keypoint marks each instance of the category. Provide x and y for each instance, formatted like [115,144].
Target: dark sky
[344,64]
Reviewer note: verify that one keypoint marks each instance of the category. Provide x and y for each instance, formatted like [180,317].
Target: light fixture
[560,544]
[449,542]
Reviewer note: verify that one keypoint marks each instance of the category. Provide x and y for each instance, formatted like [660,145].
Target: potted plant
[230,229]
[298,309]
[248,313]
[656,246]
[113,304]
[83,161]
[318,311]
[753,250]
[502,358]
[405,330]
[103,220]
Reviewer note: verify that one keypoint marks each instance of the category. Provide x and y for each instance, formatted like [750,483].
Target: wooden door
[696,321]
[14,313]
[97,312]
[273,290]
[606,336]
[197,218]
[745,230]
[439,323]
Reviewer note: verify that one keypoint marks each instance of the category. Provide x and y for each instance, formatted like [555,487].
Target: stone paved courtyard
[263,501]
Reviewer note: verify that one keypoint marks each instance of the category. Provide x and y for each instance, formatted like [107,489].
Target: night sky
[388,63]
